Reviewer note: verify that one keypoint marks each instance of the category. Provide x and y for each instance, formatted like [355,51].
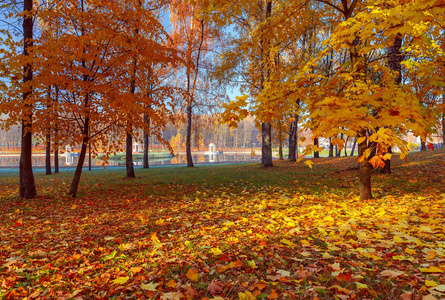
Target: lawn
[228,232]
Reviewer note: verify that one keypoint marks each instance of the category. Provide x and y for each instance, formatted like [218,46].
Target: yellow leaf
[430,283]
[397,239]
[410,251]
[309,163]
[361,285]
[171,284]
[74,207]
[192,274]
[121,280]
[431,269]
[246,296]
[151,286]
[216,251]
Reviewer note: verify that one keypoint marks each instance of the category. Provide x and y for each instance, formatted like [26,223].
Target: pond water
[70,161]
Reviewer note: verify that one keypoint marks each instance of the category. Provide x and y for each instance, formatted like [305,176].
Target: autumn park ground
[228,232]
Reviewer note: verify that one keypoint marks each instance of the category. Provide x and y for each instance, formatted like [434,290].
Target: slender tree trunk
[56,138]
[280,141]
[364,171]
[129,154]
[293,139]
[331,148]
[266,127]
[48,154]
[146,140]
[89,155]
[83,152]
[337,149]
[422,146]
[353,147]
[27,187]
[56,153]
[346,143]
[316,153]
[48,136]
[188,140]
[266,148]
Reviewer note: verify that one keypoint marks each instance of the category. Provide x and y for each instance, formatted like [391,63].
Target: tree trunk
[280,141]
[48,154]
[364,171]
[387,167]
[293,128]
[48,136]
[83,152]
[129,153]
[188,140]
[89,156]
[346,143]
[331,148]
[337,148]
[353,147]
[56,156]
[316,153]
[422,146]
[146,141]
[56,138]
[27,187]
[266,146]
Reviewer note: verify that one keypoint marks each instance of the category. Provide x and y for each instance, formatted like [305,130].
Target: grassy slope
[216,231]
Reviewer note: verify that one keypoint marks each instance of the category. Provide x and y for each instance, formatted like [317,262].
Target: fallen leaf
[151,286]
[192,274]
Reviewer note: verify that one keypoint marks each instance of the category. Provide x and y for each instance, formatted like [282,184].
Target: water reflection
[66,161]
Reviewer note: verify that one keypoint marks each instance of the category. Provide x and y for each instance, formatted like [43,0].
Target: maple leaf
[215,287]
[192,274]
[309,163]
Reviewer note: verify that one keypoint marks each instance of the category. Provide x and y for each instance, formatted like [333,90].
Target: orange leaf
[192,274]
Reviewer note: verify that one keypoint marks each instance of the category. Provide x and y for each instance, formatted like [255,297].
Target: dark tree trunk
[146,141]
[188,140]
[129,154]
[89,156]
[48,136]
[266,147]
[364,171]
[293,129]
[353,147]
[346,143]
[316,153]
[83,152]
[56,157]
[56,138]
[27,187]
[331,148]
[337,148]
[422,146]
[48,154]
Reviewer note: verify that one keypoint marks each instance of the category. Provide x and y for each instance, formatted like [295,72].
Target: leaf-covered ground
[228,232]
